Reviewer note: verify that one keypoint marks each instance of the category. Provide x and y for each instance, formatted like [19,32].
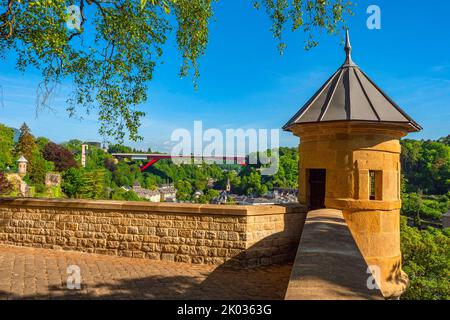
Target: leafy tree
[37,167]
[251,182]
[93,185]
[73,145]
[231,176]
[82,184]
[426,166]
[95,158]
[413,206]
[6,146]
[208,196]
[5,186]
[445,140]
[432,207]
[26,145]
[72,182]
[287,174]
[126,174]
[39,170]
[113,70]
[42,142]
[184,190]
[110,164]
[118,148]
[426,260]
[121,194]
[60,156]
[151,181]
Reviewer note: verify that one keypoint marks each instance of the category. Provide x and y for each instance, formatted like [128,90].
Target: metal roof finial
[348,51]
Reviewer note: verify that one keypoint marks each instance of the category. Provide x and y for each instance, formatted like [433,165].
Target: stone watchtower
[22,166]
[350,160]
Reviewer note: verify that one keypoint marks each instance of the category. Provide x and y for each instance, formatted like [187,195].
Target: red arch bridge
[152,158]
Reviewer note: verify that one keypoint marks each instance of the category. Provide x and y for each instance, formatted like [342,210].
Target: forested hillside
[426,196]
[426,177]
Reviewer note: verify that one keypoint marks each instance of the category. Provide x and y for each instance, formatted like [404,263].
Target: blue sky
[245,83]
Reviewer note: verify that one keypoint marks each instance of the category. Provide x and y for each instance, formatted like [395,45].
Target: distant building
[94,144]
[168,193]
[284,192]
[283,195]
[84,148]
[228,187]
[210,183]
[198,194]
[248,201]
[221,199]
[151,195]
[16,179]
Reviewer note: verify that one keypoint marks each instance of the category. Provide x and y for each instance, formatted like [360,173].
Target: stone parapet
[246,236]
[329,265]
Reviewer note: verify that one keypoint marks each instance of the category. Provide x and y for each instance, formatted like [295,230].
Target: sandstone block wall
[246,236]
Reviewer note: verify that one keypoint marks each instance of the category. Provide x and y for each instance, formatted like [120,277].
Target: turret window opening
[375,185]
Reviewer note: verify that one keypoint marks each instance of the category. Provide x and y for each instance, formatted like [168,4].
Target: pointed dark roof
[350,95]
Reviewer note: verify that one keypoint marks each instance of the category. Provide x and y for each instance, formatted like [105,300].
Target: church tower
[350,160]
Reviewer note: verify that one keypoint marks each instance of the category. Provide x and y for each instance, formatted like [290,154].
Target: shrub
[40,188]
[5,186]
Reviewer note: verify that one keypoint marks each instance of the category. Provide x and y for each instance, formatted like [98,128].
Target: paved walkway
[27,273]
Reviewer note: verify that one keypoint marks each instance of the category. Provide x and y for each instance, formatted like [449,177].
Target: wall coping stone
[155,207]
[328,264]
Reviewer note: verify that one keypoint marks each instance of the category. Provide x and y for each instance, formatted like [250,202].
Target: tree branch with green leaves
[111,53]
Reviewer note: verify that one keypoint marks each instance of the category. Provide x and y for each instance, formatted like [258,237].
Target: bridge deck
[152,158]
